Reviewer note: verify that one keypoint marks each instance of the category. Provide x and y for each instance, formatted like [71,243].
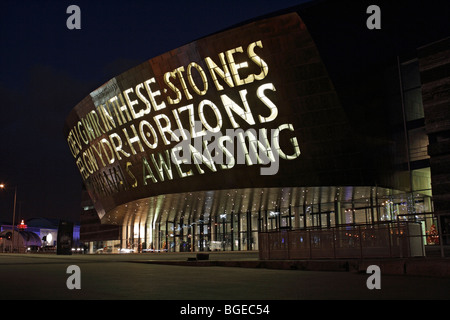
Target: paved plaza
[132,276]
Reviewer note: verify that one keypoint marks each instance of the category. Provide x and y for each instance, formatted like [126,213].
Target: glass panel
[360,216]
[410,75]
[413,104]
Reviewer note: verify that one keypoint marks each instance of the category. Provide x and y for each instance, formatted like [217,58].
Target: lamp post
[2,186]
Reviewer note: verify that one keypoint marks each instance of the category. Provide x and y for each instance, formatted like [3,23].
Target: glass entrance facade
[234,224]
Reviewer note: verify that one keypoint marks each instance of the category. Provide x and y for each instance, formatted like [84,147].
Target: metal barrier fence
[400,239]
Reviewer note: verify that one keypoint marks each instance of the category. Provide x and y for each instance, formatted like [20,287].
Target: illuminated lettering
[95,123]
[261,146]
[96,141]
[74,143]
[152,95]
[163,165]
[230,105]
[132,103]
[192,122]
[179,71]
[235,67]
[216,111]
[177,161]
[202,76]
[166,128]
[89,131]
[114,179]
[167,77]
[99,153]
[273,108]
[223,73]
[117,147]
[80,166]
[120,109]
[147,171]
[229,161]
[252,156]
[108,120]
[89,161]
[199,157]
[228,76]
[111,158]
[257,60]
[133,140]
[180,125]
[147,134]
[139,94]
[127,168]
[81,133]
[294,142]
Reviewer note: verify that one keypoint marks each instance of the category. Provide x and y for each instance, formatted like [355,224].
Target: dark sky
[46,69]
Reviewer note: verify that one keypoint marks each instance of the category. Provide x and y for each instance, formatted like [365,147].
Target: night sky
[46,69]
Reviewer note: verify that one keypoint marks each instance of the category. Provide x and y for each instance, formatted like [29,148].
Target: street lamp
[2,186]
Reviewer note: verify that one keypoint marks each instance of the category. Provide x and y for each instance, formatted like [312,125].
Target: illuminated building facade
[36,234]
[277,123]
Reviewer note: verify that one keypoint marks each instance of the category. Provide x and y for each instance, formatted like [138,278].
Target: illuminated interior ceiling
[203,204]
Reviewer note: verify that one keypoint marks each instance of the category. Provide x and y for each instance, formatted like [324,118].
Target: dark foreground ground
[170,277]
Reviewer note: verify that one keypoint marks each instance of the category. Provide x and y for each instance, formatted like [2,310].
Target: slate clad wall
[434,62]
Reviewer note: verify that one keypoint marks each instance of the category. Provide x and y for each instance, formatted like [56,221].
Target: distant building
[97,237]
[23,241]
[38,233]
